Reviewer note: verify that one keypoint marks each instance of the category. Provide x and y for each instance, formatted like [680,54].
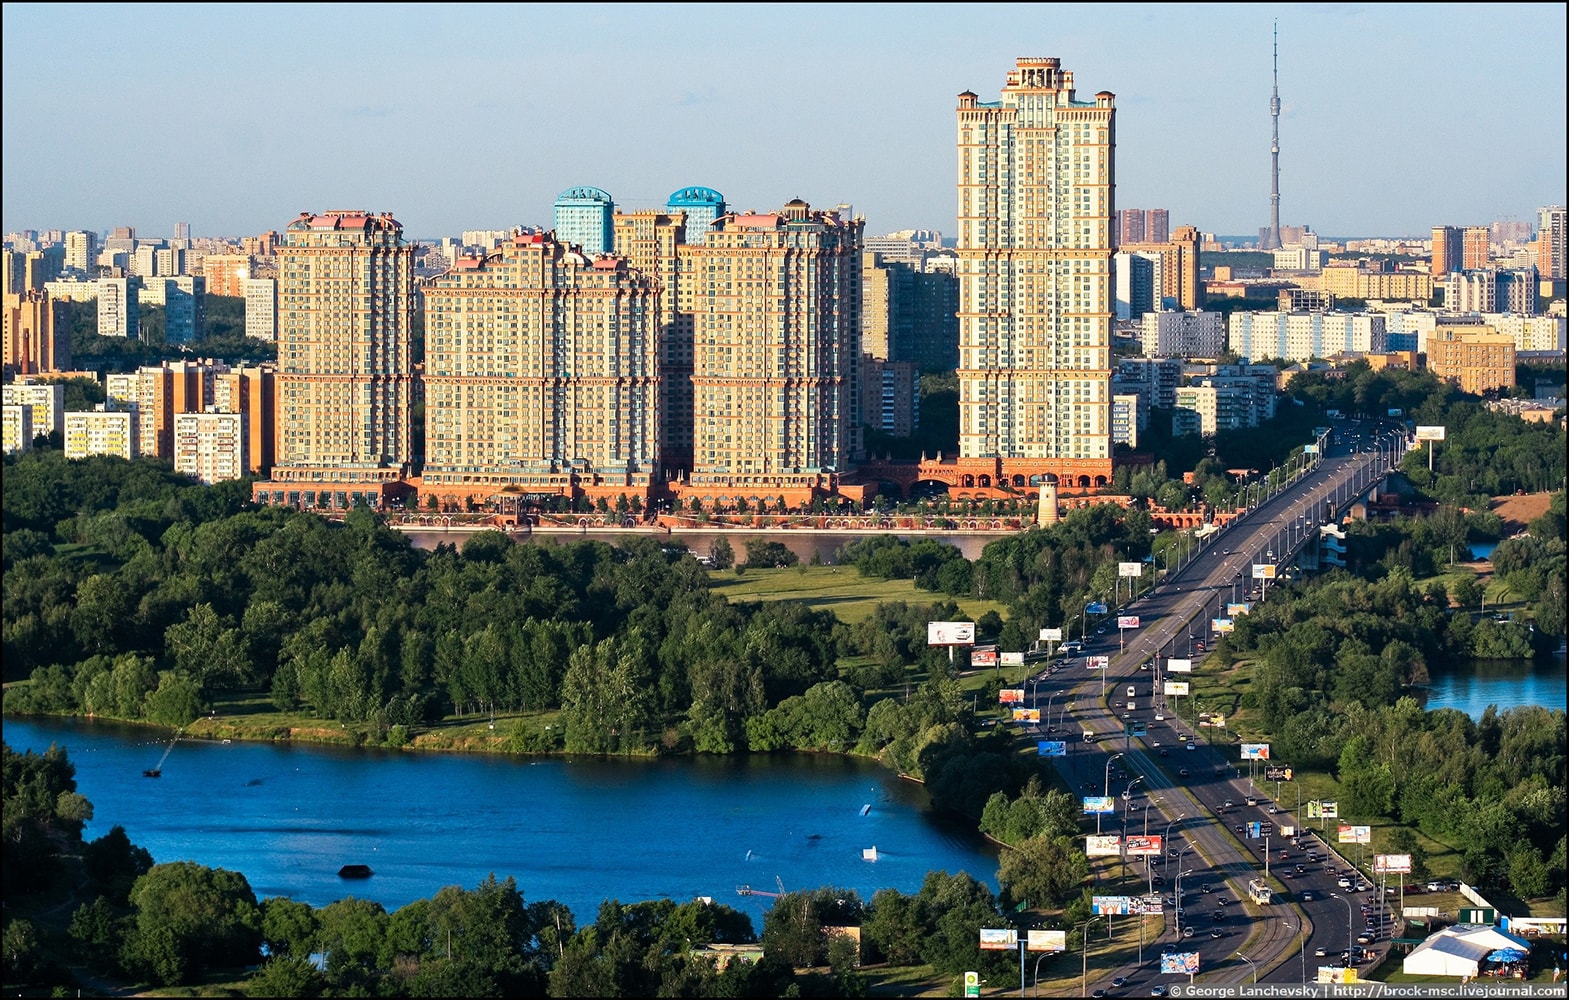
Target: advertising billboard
[983,656]
[1354,834]
[950,633]
[1127,621]
[1329,809]
[1099,804]
[1097,662]
[1223,626]
[1051,748]
[1335,973]
[1180,666]
[1394,864]
[1095,608]
[1255,751]
[1175,687]
[1179,963]
[1240,608]
[999,938]
[1255,830]
[1011,659]
[1026,715]
[1109,846]
[1116,906]
[1046,940]
[1010,696]
[1310,449]
[1277,774]
[1429,433]
[1263,571]
[1142,846]
[1051,635]
[1130,569]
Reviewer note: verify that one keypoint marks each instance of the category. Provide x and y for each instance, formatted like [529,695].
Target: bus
[1259,891]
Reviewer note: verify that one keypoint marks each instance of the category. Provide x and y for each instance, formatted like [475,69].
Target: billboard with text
[1179,963]
[1026,715]
[1142,846]
[999,939]
[1180,666]
[1238,609]
[1116,906]
[1255,751]
[1051,748]
[1099,804]
[983,656]
[1095,608]
[1223,626]
[1097,846]
[1127,621]
[1354,834]
[1046,940]
[1011,696]
[1429,433]
[1130,569]
[1175,687]
[1395,864]
[1263,571]
[1011,659]
[950,633]
[1097,662]
[1277,774]
[1051,635]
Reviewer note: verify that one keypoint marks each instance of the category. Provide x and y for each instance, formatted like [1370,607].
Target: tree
[288,976]
[721,554]
[1045,871]
[189,917]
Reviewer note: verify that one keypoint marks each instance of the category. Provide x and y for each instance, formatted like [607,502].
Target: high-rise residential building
[1157,225]
[182,232]
[251,392]
[1471,291]
[16,433]
[37,333]
[101,432]
[1129,415]
[225,271]
[183,300]
[541,375]
[81,252]
[46,401]
[160,393]
[119,307]
[583,219]
[1035,284]
[1191,334]
[1138,279]
[1130,225]
[345,368]
[31,270]
[1448,250]
[1476,248]
[776,299]
[1142,225]
[651,242]
[1304,336]
[211,447]
[890,396]
[1179,286]
[701,206]
[1550,243]
[909,314]
[1473,356]
[261,308]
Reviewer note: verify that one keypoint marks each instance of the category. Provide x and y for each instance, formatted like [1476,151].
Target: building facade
[1475,358]
[890,396]
[1550,242]
[345,371]
[1194,334]
[119,307]
[652,243]
[1304,336]
[44,400]
[1448,250]
[37,333]
[101,432]
[700,207]
[1036,175]
[583,219]
[261,308]
[211,447]
[1476,248]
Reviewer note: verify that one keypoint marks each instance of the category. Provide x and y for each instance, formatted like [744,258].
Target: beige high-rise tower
[1035,187]
[345,371]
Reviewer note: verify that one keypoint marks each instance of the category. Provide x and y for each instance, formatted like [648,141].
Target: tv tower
[1272,241]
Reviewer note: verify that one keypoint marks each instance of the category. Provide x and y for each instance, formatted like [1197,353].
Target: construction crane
[746,890]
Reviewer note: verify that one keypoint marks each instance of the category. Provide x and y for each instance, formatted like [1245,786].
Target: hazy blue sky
[235,118]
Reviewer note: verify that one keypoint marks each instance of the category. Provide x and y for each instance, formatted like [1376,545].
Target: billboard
[1051,748]
[1429,433]
[1010,696]
[1130,569]
[1116,906]
[1046,940]
[1354,834]
[1026,715]
[950,633]
[1310,449]
[1051,635]
[1263,571]
[1143,846]
[1223,626]
[1097,662]
[1255,751]
[1396,412]
[999,938]
[1011,659]
[1127,621]
[1175,687]
[1335,973]
[1102,847]
[1277,774]
[1240,608]
[1099,804]
[1255,830]
[1180,666]
[983,656]
[1179,963]
[1323,810]
[1395,864]
[1095,608]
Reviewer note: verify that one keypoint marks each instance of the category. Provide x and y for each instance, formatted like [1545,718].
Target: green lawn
[840,589]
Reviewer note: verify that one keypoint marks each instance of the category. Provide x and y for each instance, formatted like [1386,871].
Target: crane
[746,890]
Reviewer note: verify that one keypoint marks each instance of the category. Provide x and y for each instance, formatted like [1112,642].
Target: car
[1098,993]
[1120,981]
[1220,916]
[1272,810]
[1163,753]
[1101,630]
[1221,901]
[1344,882]
[1187,931]
[1206,887]
[1160,717]
[1320,953]
[1227,804]
[1193,746]
[1301,869]
[1183,773]
[1158,990]
[1288,874]
[1363,939]
[1217,933]
[1307,895]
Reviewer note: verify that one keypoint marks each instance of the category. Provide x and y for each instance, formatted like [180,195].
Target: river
[577,830]
[1473,685]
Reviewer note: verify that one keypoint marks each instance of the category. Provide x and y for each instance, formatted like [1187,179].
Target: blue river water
[1473,686]
[577,830]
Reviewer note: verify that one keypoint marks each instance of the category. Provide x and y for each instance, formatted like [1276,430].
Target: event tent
[1459,950]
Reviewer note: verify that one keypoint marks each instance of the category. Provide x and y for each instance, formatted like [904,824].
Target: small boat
[152,772]
[157,772]
[869,854]
[355,871]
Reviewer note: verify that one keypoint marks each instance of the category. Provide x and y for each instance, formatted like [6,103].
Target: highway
[1191,782]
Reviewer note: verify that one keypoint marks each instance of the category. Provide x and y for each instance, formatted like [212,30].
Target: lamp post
[1350,939]
[1250,965]
[1176,892]
[1105,790]
[1084,957]
[1301,927]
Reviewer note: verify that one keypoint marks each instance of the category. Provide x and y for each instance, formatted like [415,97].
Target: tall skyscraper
[1157,225]
[701,206]
[1550,243]
[1035,282]
[345,374]
[1476,246]
[1272,239]
[583,219]
[1447,250]
[540,374]
[776,301]
[651,242]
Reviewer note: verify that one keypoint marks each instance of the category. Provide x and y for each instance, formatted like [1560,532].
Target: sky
[236,118]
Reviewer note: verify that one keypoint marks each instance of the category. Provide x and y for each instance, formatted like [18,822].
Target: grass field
[840,589]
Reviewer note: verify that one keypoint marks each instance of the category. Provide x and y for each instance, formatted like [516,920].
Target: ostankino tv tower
[1272,240]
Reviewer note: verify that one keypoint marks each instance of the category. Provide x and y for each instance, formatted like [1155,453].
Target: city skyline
[506,108]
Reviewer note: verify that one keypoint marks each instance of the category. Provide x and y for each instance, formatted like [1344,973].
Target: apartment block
[16,431]
[1154,380]
[1303,336]
[119,307]
[345,369]
[1180,287]
[1476,248]
[1475,358]
[251,392]
[46,400]
[1529,333]
[700,207]
[1140,278]
[583,219]
[890,395]
[37,333]
[225,272]
[541,374]
[261,308]
[1550,242]
[183,300]
[651,242]
[211,447]
[908,314]
[81,252]
[1193,334]
[101,432]
[1129,415]
[1448,250]
[1035,279]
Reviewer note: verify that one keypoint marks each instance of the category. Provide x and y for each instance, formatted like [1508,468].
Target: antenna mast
[1274,148]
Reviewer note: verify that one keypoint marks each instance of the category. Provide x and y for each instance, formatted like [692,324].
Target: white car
[1191,746]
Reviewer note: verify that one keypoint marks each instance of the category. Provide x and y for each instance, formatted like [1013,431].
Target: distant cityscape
[696,356]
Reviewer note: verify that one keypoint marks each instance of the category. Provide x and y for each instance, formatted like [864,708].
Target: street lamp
[1084,959]
[1349,938]
[1176,892]
[1250,965]
[1302,949]
[1105,790]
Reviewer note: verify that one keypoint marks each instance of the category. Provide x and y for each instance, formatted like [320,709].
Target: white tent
[1458,950]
